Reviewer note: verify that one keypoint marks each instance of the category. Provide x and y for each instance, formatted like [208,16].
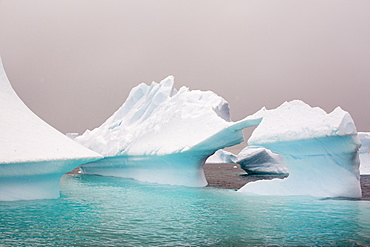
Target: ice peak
[344,122]
[33,155]
[164,136]
[158,118]
[295,120]
[319,149]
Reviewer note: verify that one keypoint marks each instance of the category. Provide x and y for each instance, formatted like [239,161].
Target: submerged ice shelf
[163,135]
[33,155]
[319,149]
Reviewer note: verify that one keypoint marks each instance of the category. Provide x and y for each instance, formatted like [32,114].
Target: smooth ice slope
[33,155]
[364,152]
[163,135]
[319,149]
[259,160]
[221,157]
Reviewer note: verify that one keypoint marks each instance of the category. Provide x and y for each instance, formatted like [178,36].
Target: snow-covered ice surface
[259,160]
[319,149]
[364,152]
[33,155]
[163,135]
[221,156]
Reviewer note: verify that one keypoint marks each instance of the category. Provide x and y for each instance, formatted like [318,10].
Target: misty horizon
[74,63]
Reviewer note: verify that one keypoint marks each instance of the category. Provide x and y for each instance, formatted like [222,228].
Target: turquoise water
[106,211]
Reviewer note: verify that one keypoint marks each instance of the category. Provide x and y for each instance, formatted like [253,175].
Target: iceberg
[364,152]
[221,157]
[259,160]
[162,135]
[319,149]
[33,155]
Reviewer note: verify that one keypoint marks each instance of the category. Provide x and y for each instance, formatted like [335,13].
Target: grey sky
[74,62]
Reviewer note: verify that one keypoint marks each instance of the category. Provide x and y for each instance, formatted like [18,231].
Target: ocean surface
[107,211]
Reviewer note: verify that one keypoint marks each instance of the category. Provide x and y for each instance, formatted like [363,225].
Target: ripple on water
[96,211]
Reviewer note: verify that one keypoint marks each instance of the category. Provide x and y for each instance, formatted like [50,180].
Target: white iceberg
[259,160]
[163,135]
[33,155]
[72,135]
[364,152]
[221,157]
[319,149]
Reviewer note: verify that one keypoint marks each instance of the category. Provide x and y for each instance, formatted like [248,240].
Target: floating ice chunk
[259,160]
[220,157]
[364,152]
[33,155]
[163,135]
[319,149]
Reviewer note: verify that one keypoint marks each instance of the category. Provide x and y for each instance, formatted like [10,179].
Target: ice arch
[163,135]
[33,155]
[319,149]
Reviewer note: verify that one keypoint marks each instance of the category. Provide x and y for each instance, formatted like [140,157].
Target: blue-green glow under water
[107,211]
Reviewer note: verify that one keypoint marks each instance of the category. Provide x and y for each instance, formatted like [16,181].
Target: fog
[74,62]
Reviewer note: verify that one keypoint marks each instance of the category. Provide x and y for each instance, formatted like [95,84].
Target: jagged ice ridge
[163,135]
